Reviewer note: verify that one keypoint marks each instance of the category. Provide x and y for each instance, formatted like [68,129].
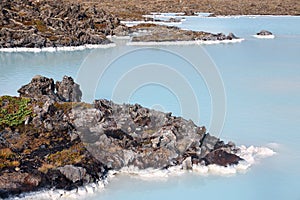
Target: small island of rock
[264,34]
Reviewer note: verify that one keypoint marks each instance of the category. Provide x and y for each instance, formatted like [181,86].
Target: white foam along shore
[264,36]
[251,156]
[78,193]
[194,42]
[54,49]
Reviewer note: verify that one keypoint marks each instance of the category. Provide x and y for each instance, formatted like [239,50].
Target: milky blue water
[261,82]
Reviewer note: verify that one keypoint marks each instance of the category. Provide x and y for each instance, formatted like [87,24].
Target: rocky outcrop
[264,33]
[158,33]
[46,23]
[68,90]
[42,87]
[59,142]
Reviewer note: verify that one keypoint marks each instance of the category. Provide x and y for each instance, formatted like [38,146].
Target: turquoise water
[261,82]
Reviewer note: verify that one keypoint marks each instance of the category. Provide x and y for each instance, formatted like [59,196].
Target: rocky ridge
[135,9]
[47,23]
[160,33]
[49,139]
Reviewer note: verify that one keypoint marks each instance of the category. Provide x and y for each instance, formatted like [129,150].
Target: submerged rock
[67,144]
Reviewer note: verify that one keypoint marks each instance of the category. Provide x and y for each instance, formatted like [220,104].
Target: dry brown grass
[133,9]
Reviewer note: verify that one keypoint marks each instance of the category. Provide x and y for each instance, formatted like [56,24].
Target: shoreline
[252,155]
[112,45]
[131,24]
[264,36]
[67,144]
[56,49]
[194,42]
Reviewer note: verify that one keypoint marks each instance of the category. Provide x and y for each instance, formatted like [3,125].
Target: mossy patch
[45,167]
[70,156]
[68,106]
[8,158]
[14,110]
[40,26]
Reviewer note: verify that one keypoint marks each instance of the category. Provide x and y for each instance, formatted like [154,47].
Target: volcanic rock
[159,33]
[264,32]
[53,24]
[67,144]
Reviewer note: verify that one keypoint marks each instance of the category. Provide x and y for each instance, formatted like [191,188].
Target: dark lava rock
[67,143]
[17,182]
[38,87]
[264,32]
[66,90]
[222,158]
[189,13]
[231,36]
[54,24]
[158,33]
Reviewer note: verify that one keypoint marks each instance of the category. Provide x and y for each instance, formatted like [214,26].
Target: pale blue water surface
[262,85]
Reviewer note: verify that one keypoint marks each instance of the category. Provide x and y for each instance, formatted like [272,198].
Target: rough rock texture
[74,173]
[221,157]
[17,182]
[42,87]
[51,23]
[61,144]
[157,33]
[68,90]
[134,9]
[38,87]
[264,32]
[46,23]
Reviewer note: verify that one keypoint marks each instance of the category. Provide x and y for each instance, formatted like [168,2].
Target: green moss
[14,110]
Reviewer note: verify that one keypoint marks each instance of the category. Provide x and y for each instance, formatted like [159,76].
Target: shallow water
[261,78]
